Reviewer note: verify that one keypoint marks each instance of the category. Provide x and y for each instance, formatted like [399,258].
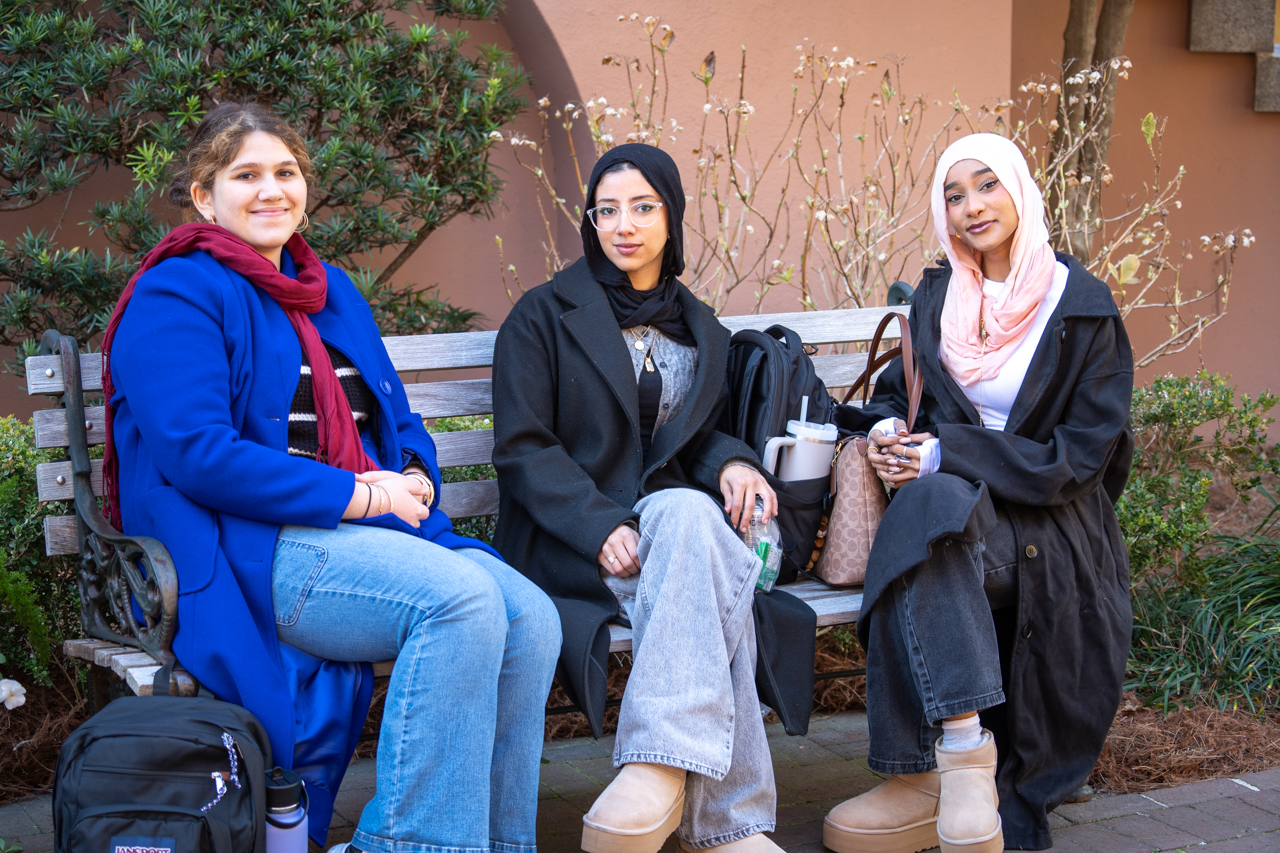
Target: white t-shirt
[994,398]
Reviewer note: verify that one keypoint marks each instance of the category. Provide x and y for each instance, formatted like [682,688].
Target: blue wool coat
[205,367]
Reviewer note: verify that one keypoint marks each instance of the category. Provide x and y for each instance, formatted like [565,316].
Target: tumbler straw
[804,409]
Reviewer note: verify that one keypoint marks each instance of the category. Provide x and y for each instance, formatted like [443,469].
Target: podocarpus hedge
[399,112]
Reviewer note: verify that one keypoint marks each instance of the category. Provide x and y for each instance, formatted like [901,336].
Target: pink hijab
[1032,259]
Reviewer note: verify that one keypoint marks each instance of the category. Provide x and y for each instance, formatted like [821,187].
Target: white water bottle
[286,812]
[765,539]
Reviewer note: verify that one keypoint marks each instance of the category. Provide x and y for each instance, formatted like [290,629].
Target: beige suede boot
[897,816]
[636,813]
[758,843]
[968,816]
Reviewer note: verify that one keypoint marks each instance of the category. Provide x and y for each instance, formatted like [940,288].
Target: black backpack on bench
[769,373]
[163,774]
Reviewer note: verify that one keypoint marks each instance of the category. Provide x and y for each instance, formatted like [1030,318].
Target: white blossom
[495,135]
[706,108]
[12,693]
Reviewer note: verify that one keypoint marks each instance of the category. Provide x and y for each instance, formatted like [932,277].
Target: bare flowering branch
[836,208]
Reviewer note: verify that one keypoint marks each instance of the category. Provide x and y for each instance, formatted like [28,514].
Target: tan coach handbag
[859,498]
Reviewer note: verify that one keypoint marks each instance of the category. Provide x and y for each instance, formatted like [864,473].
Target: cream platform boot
[636,813]
[899,815]
[968,816]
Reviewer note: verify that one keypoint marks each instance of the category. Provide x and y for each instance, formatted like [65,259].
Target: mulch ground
[32,735]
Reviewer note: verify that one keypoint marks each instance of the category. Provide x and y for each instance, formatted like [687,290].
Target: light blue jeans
[691,699]
[475,645]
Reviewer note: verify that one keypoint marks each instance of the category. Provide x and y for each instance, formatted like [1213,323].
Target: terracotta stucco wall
[1232,156]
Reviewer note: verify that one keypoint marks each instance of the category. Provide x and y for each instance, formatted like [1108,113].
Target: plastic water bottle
[286,812]
[765,539]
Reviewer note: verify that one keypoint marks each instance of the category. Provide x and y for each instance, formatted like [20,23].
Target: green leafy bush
[1218,638]
[1176,460]
[1206,607]
[39,604]
[400,117]
[480,527]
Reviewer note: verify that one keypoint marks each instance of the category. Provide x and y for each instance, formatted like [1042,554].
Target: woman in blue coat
[261,433]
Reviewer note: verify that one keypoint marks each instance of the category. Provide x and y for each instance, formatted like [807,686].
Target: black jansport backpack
[769,373]
[163,774]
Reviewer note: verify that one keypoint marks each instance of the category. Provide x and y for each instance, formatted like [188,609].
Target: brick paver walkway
[816,772]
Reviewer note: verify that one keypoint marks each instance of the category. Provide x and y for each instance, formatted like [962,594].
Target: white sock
[962,734]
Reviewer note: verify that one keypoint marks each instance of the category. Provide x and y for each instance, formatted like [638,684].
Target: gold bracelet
[390,499]
[382,493]
[426,484]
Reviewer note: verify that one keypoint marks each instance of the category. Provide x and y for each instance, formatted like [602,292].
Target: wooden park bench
[125,652]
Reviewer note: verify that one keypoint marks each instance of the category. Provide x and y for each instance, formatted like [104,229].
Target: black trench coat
[570,468]
[1057,469]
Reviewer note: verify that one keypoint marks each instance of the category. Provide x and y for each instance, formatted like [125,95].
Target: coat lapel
[592,325]
[938,382]
[1076,301]
[713,354]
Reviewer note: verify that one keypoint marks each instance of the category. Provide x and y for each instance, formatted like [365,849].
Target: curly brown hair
[217,140]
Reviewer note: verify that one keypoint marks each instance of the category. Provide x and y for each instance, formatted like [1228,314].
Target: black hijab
[657,307]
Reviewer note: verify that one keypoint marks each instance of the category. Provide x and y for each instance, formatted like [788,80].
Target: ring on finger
[612,559]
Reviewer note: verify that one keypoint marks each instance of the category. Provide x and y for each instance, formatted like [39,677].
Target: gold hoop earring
[304,224]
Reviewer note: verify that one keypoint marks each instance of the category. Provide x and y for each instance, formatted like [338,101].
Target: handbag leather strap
[910,367]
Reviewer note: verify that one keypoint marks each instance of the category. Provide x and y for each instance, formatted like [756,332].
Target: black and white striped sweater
[304,434]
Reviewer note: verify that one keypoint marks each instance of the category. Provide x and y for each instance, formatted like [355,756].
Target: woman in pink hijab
[995,615]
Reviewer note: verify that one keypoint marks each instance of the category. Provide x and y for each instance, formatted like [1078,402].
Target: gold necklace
[640,338]
[648,356]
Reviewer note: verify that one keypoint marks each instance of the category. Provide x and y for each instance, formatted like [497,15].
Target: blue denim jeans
[931,646]
[475,645]
[691,699]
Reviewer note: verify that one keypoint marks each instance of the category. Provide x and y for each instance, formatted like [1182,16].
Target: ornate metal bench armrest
[128,584]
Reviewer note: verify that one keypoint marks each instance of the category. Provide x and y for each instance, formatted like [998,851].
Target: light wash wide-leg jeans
[691,700]
[475,645]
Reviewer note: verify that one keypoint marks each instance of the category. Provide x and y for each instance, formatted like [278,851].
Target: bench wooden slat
[475,349]
[465,500]
[466,447]
[451,399]
[51,426]
[40,382]
[839,326]
[431,400]
[49,489]
[458,500]
[441,352]
[60,535]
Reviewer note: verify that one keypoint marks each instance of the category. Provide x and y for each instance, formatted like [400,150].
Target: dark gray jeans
[932,651]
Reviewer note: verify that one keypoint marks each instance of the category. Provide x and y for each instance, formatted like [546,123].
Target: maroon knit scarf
[339,437]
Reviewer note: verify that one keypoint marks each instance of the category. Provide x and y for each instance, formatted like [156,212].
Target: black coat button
[1026,631]
[1032,551]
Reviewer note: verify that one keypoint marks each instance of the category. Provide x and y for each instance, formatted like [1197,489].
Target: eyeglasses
[607,217]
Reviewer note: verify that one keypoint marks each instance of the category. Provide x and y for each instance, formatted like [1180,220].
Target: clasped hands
[894,461]
[403,496]
[739,484]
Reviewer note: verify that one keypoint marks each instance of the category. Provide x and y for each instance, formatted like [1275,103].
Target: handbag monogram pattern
[860,499]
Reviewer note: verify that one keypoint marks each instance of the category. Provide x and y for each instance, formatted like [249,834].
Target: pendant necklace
[648,356]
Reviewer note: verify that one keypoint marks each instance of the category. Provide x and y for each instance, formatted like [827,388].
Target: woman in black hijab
[609,384]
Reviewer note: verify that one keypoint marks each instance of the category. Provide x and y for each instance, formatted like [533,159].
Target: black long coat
[570,465]
[1057,469]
